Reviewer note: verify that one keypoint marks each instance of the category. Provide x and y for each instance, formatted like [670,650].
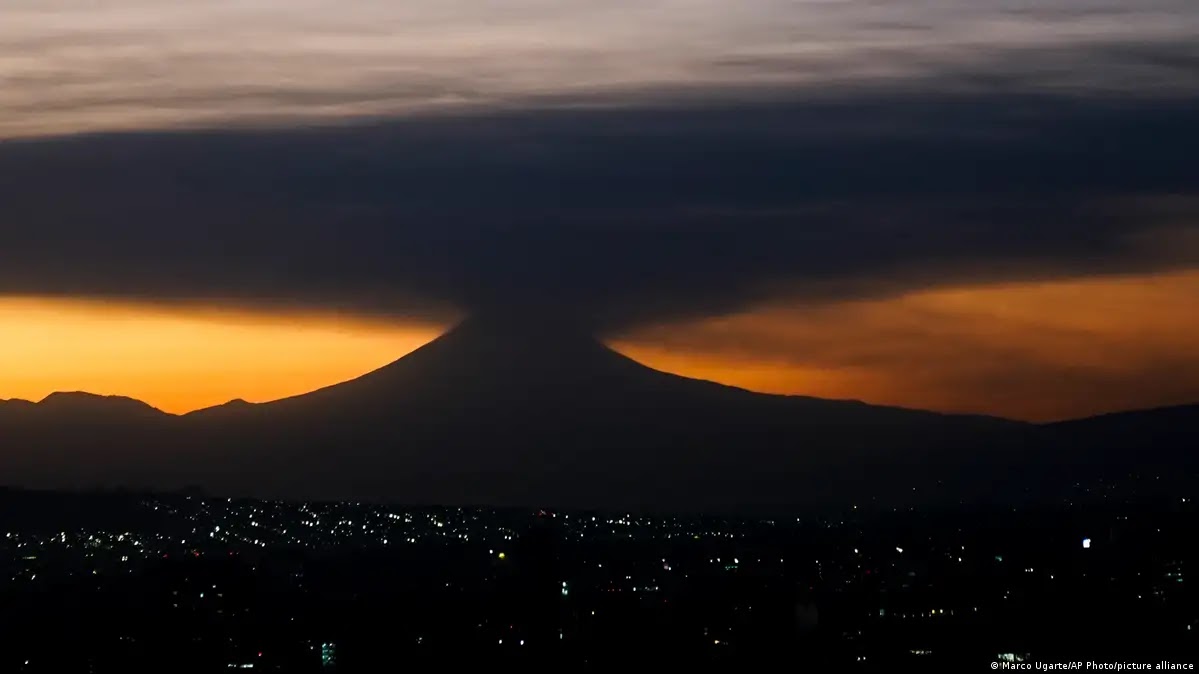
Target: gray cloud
[619,213]
[71,66]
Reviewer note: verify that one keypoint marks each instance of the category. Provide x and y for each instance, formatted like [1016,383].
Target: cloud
[86,65]
[619,214]
[625,162]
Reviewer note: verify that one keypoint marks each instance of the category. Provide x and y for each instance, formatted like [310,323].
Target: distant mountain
[235,406]
[483,366]
[81,439]
[503,413]
[1163,439]
[533,412]
[78,402]
[1175,419]
[89,404]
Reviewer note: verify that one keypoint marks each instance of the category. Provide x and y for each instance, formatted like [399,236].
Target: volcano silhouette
[530,412]
[534,367]
[498,411]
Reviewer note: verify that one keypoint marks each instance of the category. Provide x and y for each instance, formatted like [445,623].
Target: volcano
[530,412]
[536,367]
[539,412]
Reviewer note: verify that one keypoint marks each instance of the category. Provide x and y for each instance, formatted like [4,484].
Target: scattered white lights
[1086,543]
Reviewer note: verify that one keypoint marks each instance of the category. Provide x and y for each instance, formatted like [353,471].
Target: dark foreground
[130,583]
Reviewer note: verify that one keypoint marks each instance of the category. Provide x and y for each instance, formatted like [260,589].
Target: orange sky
[186,359]
[1038,351]
[1033,351]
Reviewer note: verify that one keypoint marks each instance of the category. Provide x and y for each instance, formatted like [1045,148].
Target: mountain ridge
[525,414]
[242,403]
[593,345]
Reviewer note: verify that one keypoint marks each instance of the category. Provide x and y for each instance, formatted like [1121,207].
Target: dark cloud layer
[615,214]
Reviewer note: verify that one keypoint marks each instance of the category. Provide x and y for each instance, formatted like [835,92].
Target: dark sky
[618,214]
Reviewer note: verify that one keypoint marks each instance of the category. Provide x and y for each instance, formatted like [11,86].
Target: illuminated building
[328,655]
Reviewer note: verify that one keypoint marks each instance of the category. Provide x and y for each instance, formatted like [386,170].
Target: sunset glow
[1036,351]
[182,360]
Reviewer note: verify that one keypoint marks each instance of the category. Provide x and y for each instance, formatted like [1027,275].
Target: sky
[978,206]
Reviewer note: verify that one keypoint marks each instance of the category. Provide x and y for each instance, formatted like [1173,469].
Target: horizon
[211,355]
